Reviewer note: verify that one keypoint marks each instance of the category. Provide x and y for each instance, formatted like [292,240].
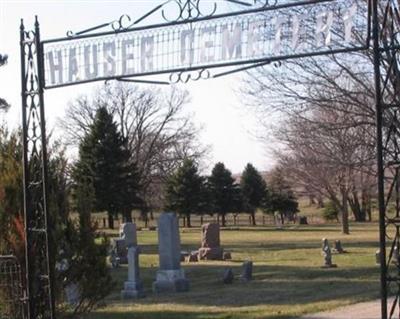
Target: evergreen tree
[330,212]
[11,194]
[253,189]
[76,246]
[222,187]
[85,257]
[185,191]
[104,164]
[280,196]
[238,200]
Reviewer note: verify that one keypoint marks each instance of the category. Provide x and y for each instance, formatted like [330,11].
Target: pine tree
[11,193]
[222,187]
[185,191]
[104,164]
[253,189]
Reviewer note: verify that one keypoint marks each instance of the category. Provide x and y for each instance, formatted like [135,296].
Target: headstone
[72,294]
[170,276]
[184,255]
[278,221]
[395,255]
[247,271]
[227,255]
[326,252]
[119,253]
[210,235]
[71,291]
[128,233]
[303,220]
[378,257]
[210,242]
[228,276]
[193,257]
[121,230]
[338,247]
[133,287]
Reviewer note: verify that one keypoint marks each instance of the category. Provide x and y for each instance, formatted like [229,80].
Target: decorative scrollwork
[123,23]
[189,10]
[264,3]
[267,3]
[183,10]
[185,77]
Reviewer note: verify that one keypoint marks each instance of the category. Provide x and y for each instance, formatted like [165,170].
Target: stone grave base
[132,290]
[216,253]
[227,255]
[329,266]
[339,252]
[170,281]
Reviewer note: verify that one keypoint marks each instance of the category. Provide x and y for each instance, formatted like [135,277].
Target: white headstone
[170,276]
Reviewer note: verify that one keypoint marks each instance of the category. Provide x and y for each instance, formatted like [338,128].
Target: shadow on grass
[151,249]
[172,315]
[272,285]
[160,315]
[277,246]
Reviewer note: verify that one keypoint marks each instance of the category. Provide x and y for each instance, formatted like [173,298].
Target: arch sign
[199,42]
[256,36]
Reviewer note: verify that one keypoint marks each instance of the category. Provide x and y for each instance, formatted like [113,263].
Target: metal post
[38,273]
[379,148]
[40,68]
[25,162]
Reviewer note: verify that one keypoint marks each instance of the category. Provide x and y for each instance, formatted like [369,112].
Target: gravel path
[365,310]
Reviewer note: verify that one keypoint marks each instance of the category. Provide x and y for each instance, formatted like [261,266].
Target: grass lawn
[288,281]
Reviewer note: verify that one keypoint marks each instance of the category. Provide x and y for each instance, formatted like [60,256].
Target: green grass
[288,281]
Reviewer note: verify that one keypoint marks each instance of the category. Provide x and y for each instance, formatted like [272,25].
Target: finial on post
[36,22]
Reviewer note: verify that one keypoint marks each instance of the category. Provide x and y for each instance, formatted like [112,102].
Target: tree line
[188,193]
[106,169]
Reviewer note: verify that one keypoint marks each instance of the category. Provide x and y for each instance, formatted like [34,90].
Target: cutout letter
[232,42]
[127,68]
[254,39]
[298,30]
[207,44]
[323,31]
[109,64]
[91,66]
[55,67]
[349,22]
[147,53]
[279,21]
[73,66]
[187,45]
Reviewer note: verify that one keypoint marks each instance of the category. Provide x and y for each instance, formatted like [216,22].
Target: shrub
[330,212]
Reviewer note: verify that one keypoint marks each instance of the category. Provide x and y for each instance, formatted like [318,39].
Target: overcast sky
[227,124]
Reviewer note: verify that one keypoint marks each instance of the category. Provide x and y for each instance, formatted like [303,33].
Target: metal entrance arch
[73,60]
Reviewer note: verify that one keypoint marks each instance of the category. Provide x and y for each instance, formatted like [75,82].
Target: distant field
[313,214]
[288,280]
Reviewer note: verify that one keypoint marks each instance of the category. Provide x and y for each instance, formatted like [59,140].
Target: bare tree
[324,120]
[158,131]
[334,163]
